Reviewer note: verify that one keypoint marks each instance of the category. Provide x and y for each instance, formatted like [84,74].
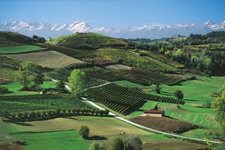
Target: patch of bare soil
[163,124]
[174,145]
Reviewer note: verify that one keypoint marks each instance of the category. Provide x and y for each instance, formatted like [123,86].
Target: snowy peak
[209,22]
[78,26]
[147,31]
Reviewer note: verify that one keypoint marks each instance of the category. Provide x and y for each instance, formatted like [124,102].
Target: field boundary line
[149,129]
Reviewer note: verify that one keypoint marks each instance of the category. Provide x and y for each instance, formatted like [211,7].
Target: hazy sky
[113,13]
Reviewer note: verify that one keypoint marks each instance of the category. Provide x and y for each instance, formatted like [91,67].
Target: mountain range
[155,31]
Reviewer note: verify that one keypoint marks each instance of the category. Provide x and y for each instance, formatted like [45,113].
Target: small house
[154,113]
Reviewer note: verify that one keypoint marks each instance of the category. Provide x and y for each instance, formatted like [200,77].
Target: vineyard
[135,75]
[124,100]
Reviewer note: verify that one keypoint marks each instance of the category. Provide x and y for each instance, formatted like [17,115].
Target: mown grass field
[19,49]
[51,59]
[68,140]
[14,88]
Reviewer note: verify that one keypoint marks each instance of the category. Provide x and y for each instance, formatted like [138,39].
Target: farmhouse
[154,113]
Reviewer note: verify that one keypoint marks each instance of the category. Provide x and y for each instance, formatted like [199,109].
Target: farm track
[132,123]
[149,129]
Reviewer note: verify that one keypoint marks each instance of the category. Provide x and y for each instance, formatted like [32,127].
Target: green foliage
[219,108]
[133,143]
[84,131]
[59,74]
[178,94]
[16,37]
[15,104]
[50,114]
[3,90]
[60,86]
[116,144]
[78,81]
[24,75]
[39,79]
[96,146]
[207,104]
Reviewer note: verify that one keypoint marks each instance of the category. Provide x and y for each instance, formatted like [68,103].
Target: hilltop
[86,41]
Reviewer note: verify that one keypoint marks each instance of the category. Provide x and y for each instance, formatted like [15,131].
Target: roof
[154,111]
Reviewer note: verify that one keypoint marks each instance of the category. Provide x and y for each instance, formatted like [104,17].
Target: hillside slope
[13,38]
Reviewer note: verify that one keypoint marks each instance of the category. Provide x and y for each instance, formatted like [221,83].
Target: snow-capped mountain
[152,31]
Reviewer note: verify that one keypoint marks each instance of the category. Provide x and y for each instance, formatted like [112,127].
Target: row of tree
[50,114]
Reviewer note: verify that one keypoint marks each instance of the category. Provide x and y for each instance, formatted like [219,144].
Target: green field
[19,49]
[8,74]
[68,140]
[196,93]
[14,88]
[51,59]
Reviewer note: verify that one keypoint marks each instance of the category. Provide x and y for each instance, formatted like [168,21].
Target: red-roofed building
[154,113]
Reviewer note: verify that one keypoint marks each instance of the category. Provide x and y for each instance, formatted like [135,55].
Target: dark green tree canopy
[84,131]
[178,94]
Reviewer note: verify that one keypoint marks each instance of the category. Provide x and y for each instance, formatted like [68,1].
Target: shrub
[3,90]
[96,146]
[207,104]
[116,144]
[84,131]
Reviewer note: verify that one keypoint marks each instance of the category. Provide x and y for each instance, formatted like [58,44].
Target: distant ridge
[155,31]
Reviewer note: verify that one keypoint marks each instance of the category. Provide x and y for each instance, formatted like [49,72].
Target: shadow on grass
[97,137]
[23,124]
[190,100]
[166,93]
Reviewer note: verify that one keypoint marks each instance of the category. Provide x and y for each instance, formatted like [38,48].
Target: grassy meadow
[14,88]
[57,140]
[19,49]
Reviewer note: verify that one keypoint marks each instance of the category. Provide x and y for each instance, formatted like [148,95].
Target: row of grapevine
[124,100]
[135,75]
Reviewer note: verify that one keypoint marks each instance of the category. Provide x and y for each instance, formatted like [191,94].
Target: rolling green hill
[86,41]
[13,38]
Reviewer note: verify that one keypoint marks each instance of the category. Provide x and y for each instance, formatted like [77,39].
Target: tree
[78,81]
[116,144]
[24,75]
[96,146]
[157,89]
[3,90]
[39,79]
[219,109]
[84,131]
[178,94]
[133,143]
[60,86]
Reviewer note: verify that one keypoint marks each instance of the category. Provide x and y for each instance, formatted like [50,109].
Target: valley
[43,84]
